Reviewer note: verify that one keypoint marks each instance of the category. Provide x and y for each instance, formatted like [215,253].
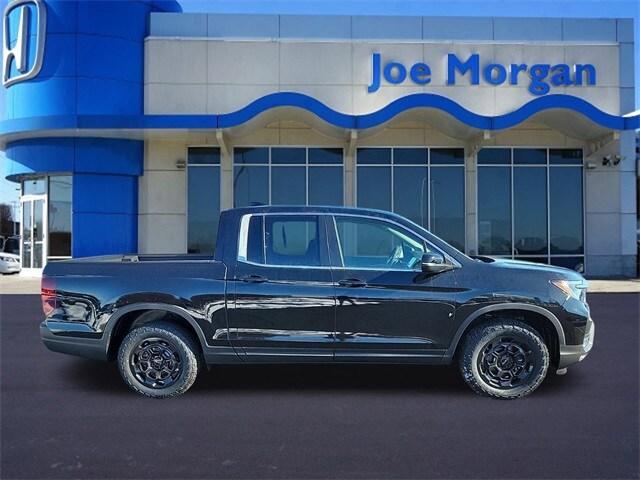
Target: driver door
[386,306]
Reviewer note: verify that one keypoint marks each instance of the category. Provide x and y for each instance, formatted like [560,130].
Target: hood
[553,271]
[10,255]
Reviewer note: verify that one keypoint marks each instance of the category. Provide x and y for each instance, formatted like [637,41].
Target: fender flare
[115,319]
[505,306]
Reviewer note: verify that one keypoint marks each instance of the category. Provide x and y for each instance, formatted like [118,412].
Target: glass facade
[203,202]
[426,185]
[287,176]
[46,227]
[60,212]
[530,205]
[529,200]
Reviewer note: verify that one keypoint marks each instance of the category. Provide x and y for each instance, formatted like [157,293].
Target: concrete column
[349,181]
[226,177]
[162,199]
[471,208]
[611,211]
[350,170]
[628,204]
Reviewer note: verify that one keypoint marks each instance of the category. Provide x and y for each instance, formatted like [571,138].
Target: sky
[497,8]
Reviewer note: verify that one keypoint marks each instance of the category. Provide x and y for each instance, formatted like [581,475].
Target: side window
[370,243]
[255,244]
[286,240]
[292,240]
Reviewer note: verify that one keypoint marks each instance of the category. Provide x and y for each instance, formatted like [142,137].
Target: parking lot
[65,417]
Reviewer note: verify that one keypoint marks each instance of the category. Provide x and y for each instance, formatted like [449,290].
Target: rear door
[387,308]
[284,303]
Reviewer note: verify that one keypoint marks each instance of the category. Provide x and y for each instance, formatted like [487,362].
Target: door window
[282,240]
[370,243]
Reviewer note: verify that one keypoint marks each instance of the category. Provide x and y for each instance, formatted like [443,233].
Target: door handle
[352,282]
[253,279]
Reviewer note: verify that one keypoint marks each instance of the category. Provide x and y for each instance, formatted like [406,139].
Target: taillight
[48,296]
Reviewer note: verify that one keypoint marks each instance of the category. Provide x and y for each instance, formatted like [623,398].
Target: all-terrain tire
[172,345]
[479,350]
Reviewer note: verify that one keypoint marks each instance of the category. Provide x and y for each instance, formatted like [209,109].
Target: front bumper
[73,339]
[570,354]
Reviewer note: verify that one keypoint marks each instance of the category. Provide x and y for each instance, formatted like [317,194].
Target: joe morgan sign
[540,77]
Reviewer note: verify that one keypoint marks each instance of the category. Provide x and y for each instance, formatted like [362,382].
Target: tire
[504,359]
[158,360]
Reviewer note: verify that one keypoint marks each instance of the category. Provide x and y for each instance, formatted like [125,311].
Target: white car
[9,263]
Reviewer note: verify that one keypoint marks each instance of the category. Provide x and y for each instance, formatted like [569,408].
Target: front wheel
[504,359]
[158,360]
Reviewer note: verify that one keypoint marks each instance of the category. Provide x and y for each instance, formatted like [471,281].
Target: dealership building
[131,125]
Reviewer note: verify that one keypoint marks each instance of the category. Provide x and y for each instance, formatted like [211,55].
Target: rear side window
[292,240]
[283,240]
[255,245]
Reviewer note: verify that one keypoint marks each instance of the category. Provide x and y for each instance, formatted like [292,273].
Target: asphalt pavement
[65,417]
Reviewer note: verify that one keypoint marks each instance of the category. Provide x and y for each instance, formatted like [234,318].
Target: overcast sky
[500,8]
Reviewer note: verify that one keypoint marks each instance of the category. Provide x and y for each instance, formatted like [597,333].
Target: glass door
[33,230]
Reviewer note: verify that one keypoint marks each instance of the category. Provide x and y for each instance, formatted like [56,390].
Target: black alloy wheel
[155,363]
[159,359]
[504,359]
[506,362]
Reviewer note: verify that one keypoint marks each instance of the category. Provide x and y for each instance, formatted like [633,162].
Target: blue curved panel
[97,39]
[92,73]
[62,16]
[424,100]
[105,214]
[286,99]
[112,58]
[566,102]
[427,100]
[117,119]
[126,19]
[41,98]
[105,186]
[39,155]
[109,156]
[61,57]
[74,155]
[103,96]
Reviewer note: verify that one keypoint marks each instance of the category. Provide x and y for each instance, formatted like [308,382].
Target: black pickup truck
[318,284]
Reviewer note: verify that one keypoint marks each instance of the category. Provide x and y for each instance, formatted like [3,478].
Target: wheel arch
[127,317]
[541,319]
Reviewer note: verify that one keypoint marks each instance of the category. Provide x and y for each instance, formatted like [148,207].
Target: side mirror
[433,262]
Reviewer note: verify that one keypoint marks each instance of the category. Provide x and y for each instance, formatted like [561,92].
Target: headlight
[572,288]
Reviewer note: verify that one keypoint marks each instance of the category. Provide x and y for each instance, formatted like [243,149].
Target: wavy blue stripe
[286,99]
[428,100]
[322,111]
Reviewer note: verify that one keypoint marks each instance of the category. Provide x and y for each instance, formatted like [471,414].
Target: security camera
[606,160]
[617,159]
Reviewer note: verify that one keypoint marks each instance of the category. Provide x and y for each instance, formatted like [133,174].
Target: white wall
[195,75]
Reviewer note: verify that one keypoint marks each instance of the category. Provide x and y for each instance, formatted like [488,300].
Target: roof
[313,209]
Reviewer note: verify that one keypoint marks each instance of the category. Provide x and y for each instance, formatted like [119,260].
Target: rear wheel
[504,359]
[158,360]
